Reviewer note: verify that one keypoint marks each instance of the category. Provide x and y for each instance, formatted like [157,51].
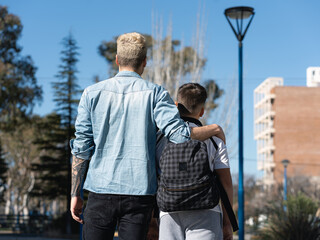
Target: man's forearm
[205,132]
[79,170]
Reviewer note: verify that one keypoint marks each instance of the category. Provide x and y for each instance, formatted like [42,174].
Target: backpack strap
[159,137]
[226,203]
[224,197]
[156,210]
[214,143]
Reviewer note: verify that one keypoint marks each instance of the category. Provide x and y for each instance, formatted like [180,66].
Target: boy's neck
[191,119]
[190,116]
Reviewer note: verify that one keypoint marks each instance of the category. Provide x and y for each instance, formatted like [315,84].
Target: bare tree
[21,153]
[173,64]
[226,115]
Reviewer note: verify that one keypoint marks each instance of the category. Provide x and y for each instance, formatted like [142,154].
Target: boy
[198,224]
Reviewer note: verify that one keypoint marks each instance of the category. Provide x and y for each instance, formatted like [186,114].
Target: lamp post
[285,163]
[239,14]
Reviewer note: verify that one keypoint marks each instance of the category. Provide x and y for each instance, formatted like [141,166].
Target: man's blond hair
[131,49]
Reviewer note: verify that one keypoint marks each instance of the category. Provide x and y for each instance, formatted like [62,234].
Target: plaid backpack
[186,181]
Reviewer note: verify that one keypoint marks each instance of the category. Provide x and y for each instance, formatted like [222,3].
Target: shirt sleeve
[83,145]
[220,158]
[168,120]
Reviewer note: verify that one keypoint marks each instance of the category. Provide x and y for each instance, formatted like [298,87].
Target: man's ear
[176,103]
[117,60]
[201,112]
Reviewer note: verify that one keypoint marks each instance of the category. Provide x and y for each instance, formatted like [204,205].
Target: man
[115,145]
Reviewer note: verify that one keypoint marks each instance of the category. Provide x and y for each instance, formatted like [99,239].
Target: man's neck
[130,69]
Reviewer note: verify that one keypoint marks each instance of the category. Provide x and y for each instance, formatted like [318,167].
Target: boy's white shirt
[218,158]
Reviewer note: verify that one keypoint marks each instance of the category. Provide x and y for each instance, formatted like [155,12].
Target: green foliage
[51,140]
[298,222]
[19,90]
[214,92]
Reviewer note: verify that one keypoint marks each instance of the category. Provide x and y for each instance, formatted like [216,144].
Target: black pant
[103,212]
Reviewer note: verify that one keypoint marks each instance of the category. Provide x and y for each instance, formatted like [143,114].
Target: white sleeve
[220,157]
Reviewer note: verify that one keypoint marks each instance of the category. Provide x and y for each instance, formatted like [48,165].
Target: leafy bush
[297,222]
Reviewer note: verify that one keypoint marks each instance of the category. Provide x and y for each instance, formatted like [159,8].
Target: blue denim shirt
[116,132]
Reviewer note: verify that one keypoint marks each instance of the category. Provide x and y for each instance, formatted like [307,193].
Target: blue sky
[283,40]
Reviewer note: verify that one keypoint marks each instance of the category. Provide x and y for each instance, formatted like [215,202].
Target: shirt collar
[192,120]
[128,74]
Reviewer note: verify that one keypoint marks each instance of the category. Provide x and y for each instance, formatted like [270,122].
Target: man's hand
[76,208]
[78,171]
[205,132]
[227,232]
[221,134]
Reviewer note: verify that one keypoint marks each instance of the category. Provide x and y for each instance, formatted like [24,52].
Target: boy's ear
[176,103]
[201,112]
[117,60]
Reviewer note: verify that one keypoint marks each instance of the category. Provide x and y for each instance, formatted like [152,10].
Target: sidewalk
[22,237]
[30,237]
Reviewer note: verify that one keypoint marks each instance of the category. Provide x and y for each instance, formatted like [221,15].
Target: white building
[313,77]
[263,127]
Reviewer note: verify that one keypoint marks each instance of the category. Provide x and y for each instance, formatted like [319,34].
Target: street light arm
[235,33]
[247,26]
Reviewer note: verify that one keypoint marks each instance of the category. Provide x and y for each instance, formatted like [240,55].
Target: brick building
[297,131]
[287,126]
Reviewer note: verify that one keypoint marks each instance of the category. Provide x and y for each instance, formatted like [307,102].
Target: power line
[291,163]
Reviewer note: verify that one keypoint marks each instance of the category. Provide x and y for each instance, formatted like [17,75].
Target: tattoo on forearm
[79,170]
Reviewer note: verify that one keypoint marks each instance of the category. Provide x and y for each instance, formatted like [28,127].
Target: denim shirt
[116,131]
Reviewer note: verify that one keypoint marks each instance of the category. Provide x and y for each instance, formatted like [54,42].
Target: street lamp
[285,163]
[238,14]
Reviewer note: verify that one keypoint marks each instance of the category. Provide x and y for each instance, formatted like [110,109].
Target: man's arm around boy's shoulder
[205,132]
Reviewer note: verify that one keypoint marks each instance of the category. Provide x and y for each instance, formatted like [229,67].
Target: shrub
[297,222]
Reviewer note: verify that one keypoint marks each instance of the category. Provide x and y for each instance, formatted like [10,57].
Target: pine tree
[66,91]
[51,181]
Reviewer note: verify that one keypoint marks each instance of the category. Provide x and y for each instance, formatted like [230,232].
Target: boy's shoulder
[218,141]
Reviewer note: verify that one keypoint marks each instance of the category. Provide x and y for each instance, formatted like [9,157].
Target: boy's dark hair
[191,96]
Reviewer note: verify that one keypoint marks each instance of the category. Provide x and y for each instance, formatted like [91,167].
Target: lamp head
[285,162]
[238,14]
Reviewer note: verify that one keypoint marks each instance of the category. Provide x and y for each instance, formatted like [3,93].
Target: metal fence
[24,223]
